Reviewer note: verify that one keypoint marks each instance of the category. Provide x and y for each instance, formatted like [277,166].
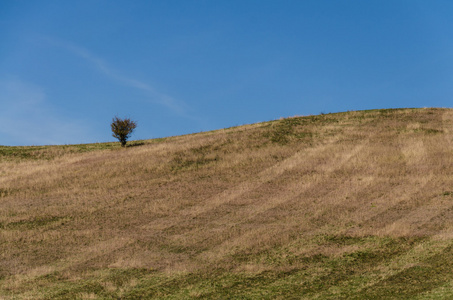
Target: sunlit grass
[354,205]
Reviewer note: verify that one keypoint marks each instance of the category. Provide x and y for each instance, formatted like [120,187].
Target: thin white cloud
[155,96]
[26,118]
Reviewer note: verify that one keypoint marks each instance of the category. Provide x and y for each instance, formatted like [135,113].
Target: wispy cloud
[26,117]
[103,67]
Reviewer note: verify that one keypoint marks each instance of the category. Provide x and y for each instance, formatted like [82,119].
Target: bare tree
[122,129]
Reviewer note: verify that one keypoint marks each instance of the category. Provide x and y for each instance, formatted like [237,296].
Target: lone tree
[122,129]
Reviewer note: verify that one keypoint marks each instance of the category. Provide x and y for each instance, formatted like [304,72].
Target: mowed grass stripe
[262,208]
[254,183]
[230,222]
[415,254]
[428,273]
[84,254]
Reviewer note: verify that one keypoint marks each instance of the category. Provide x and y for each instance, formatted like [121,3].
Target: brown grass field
[354,205]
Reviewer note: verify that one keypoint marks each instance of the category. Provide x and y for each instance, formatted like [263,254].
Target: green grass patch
[4,192]
[33,223]
[284,131]
[340,267]
[20,153]
[194,158]
[429,274]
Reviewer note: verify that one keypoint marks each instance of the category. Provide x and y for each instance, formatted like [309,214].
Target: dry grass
[353,201]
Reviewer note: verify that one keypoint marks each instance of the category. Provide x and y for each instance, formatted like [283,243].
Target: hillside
[340,206]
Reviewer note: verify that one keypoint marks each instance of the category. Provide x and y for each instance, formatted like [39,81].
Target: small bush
[122,129]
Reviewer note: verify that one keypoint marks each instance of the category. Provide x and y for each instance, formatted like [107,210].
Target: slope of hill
[340,206]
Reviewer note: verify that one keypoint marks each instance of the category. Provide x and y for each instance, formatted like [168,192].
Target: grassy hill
[351,205]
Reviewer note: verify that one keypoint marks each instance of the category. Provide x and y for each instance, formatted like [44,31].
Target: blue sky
[183,66]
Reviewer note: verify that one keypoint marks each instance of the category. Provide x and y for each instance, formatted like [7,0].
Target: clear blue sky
[183,66]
